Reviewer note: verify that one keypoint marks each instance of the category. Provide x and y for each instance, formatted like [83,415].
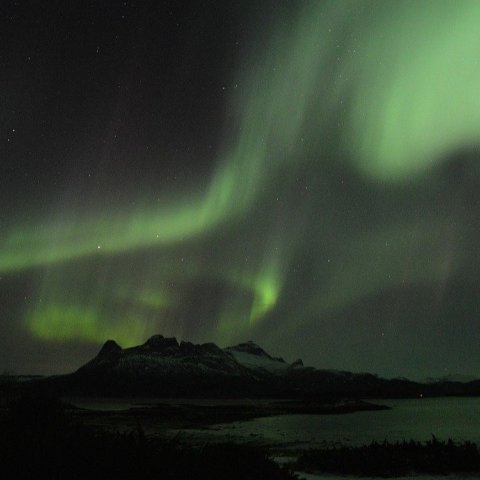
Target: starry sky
[304,174]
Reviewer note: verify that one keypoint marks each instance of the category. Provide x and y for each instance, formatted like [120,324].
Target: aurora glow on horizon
[336,216]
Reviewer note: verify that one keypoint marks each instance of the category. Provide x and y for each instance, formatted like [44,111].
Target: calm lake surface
[456,418]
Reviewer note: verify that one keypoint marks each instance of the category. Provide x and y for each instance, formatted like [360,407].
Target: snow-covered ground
[253,361]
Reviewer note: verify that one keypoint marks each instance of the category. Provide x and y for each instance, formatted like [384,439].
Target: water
[418,419]
[456,418]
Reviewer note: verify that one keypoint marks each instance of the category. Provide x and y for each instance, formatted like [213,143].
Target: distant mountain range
[164,367]
[451,377]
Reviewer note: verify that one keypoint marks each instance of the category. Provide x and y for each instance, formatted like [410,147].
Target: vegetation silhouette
[40,439]
[394,459]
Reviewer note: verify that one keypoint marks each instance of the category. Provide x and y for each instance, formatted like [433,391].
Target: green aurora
[329,190]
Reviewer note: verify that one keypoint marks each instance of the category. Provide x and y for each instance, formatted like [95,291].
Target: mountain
[166,368]
[251,356]
[452,377]
[160,356]
[163,366]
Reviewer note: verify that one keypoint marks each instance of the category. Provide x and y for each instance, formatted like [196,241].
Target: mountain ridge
[164,367]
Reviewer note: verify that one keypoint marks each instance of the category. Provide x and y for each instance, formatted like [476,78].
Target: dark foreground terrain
[395,459]
[39,438]
[43,437]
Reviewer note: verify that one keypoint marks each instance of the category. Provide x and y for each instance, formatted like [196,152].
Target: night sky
[304,174]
